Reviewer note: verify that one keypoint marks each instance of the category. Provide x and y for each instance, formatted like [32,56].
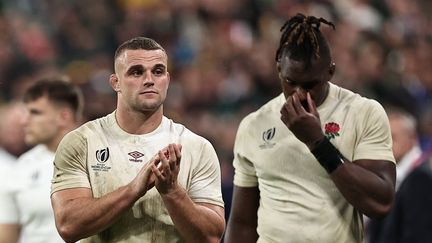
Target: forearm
[241,232]
[243,220]
[9,233]
[196,223]
[85,216]
[369,193]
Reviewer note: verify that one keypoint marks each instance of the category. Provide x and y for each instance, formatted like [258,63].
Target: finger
[289,106]
[311,104]
[173,157]
[284,114]
[178,153]
[158,163]
[298,107]
[157,173]
[287,111]
[165,164]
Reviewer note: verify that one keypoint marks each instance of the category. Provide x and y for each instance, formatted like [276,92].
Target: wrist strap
[327,155]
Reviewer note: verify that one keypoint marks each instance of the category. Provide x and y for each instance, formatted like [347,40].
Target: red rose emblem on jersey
[331,130]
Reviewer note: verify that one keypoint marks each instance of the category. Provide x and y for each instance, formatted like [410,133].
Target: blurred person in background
[410,220]
[11,132]
[53,108]
[408,156]
[135,175]
[11,145]
[406,147]
[311,161]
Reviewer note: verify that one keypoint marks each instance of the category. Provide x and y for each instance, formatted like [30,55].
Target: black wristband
[327,155]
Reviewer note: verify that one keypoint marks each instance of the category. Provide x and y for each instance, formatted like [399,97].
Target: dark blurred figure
[410,220]
[408,156]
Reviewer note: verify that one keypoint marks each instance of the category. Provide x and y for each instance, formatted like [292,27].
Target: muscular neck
[323,95]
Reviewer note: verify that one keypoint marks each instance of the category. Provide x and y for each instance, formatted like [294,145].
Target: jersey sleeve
[375,139]
[205,185]
[244,170]
[70,170]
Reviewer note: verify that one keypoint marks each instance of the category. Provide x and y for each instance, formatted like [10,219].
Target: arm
[9,233]
[368,185]
[242,223]
[196,222]
[79,215]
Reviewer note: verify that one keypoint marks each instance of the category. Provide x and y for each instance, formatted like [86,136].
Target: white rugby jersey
[298,200]
[101,156]
[27,199]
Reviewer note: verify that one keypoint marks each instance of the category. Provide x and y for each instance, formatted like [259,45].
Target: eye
[136,72]
[159,71]
[309,85]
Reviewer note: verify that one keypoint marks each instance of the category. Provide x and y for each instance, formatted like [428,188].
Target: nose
[148,78]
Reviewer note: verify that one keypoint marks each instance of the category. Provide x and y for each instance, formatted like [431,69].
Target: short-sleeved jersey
[27,200]
[298,200]
[101,156]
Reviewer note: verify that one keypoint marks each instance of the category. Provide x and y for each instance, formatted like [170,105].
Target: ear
[332,70]
[65,115]
[278,66]
[114,82]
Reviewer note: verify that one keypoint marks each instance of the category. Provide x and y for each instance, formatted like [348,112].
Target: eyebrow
[142,68]
[135,67]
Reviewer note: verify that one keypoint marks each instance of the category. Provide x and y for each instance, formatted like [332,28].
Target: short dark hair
[303,40]
[58,91]
[138,43]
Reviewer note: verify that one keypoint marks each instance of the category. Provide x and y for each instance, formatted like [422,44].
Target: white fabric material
[101,156]
[405,165]
[298,200]
[27,201]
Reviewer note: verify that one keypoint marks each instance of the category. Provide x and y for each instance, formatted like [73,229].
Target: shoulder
[97,124]
[422,173]
[35,152]
[361,105]
[89,129]
[185,134]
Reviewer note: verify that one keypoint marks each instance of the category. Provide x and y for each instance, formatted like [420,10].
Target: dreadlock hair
[302,39]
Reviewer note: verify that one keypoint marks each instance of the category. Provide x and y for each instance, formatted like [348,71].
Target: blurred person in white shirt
[52,109]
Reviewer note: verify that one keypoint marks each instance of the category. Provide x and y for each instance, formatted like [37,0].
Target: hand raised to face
[303,122]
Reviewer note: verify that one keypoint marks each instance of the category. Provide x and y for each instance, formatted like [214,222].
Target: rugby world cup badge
[102,155]
[267,136]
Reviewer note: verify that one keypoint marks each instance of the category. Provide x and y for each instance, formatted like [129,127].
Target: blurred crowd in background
[221,56]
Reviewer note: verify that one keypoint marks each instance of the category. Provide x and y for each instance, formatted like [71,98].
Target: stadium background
[221,54]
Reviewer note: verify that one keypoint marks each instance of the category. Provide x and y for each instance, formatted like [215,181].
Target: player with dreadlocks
[311,161]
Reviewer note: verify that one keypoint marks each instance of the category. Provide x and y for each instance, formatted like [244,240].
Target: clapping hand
[167,168]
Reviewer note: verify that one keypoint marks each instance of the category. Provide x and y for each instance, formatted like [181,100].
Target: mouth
[148,92]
